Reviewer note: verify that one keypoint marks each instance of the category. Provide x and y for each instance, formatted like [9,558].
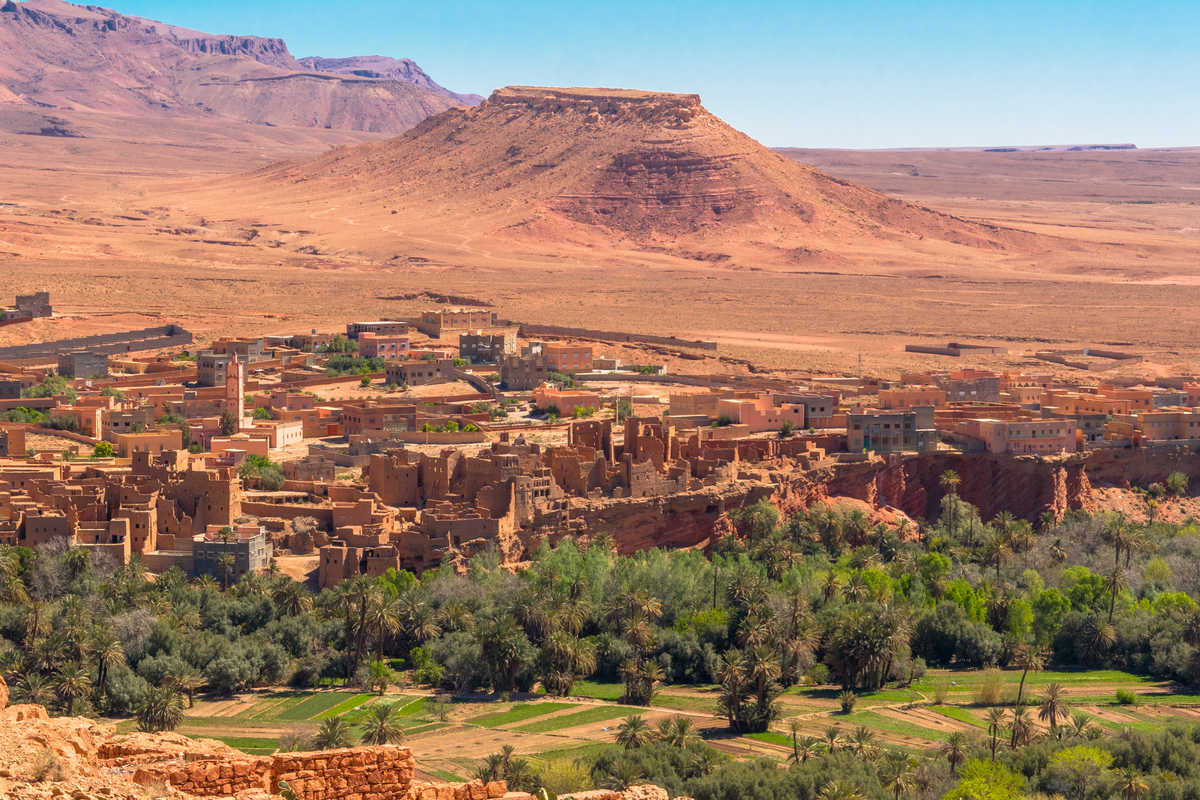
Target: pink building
[565,400]
[379,345]
[1025,436]
[761,413]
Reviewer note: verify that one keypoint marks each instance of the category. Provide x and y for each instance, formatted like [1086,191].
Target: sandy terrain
[127,230]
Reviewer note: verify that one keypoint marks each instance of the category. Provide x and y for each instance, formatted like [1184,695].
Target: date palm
[71,684]
[833,738]
[995,727]
[862,741]
[333,733]
[107,652]
[1029,660]
[955,750]
[840,790]
[1131,784]
[382,725]
[292,599]
[677,731]
[1053,707]
[1081,725]
[634,732]
[160,710]
[900,779]
[1022,726]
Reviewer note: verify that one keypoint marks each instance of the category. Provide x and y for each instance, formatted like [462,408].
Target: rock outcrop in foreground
[44,758]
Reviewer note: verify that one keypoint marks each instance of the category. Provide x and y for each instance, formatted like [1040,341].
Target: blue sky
[830,74]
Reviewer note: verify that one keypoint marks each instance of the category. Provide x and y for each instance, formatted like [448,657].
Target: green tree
[102,450]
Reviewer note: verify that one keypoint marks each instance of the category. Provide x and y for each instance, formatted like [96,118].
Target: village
[407,443]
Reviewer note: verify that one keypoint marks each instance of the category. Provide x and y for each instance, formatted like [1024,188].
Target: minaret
[235,389]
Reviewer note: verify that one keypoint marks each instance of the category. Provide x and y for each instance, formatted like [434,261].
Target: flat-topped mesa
[596,104]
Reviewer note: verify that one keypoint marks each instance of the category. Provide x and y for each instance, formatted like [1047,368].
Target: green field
[346,705]
[519,713]
[771,737]
[599,691]
[960,714]
[591,715]
[879,722]
[316,704]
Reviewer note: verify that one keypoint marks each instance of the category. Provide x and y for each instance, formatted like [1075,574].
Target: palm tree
[1081,724]
[900,777]
[1132,784]
[794,727]
[995,726]
[381,725]
[840,790]
[955,750]
[677,731]
[107,653]
[1115,581]
[949,481]
[862,741]
[72,683]
[189,683]
[633,732]
[564,657]
[334,732]
[160,710]
[292,598]
[33,687]
[1053,707]
[806,748]
[225,563]
[1022,726]
[1099,637]
[1027,659]
[995,551]
[833,738]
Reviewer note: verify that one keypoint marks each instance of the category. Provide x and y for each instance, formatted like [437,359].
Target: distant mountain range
[56,55]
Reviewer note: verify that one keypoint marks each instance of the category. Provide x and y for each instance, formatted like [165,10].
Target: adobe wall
[527,330]
[125,341]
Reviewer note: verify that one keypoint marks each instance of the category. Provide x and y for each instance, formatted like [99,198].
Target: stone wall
[362,773]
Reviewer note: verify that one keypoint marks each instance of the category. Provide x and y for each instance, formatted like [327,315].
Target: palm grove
[821,597]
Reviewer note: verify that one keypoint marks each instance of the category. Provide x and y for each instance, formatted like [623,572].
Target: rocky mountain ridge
[57,55]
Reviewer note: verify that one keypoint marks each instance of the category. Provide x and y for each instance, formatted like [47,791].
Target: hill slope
[601,166]
[400,69]
[54,54]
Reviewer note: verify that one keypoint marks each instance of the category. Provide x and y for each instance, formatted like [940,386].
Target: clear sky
[811,74]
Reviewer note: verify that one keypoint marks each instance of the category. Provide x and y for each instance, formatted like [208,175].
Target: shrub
[62,423]
[818,674]
[785,430]
[45,766]
[991,688]
[1126,697]
[1177,483]
[847,699]
[103,450]
[941,689]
